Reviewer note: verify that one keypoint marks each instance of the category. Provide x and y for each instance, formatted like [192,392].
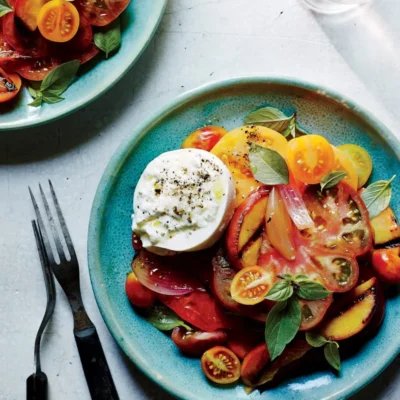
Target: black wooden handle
[36,387]
[94,363]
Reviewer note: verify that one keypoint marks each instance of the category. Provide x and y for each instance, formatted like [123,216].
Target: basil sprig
[284,319]
[4,8]
[268,166]
[108,39]
[54,84]
[331,348]
[164,319]
[275,119]
[377,196]
[332,179]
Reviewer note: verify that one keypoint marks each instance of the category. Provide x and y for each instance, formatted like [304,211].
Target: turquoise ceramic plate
[110,252]
[139,22]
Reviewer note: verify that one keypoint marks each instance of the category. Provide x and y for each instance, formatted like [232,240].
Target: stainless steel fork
[66,270]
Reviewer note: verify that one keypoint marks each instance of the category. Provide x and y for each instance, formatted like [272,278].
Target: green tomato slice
[361,160]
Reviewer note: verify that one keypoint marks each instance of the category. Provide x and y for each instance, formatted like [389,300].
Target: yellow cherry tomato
[310,158]
[344,163]
[361,160]
[58,21]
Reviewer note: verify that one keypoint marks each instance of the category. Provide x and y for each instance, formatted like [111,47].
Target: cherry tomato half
[58,20]
[310,158]
[221,365]
[251,284]
[10,84]
[204,138]
[137,293]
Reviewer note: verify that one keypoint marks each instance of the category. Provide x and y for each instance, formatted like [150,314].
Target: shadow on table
[52,139]
[368,39]
[149,388]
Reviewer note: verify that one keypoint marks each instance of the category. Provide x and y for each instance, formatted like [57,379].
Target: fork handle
[95,367]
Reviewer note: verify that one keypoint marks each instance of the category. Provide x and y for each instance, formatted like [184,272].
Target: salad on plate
[261,246]
[44,42]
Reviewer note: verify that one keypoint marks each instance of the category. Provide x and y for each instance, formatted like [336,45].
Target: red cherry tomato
[138,294]
[387,264]
[221,365]
[101,12]
[196,343]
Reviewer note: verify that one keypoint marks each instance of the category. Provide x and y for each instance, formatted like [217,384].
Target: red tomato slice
[8,56]
[341,221]
[21,39]
[101,12]
[199,309]
[37,69]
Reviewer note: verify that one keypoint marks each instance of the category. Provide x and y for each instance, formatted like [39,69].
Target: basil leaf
[108,39]
[58,80]
[315,340]
[377,196]
[32,92]
[281,291]
[300,277]
[268,166]
[5,8]
[51,98]
[332,179]
[331,352]
[310,290]
[272,118]
[164,319]
[283,323]
[38,101]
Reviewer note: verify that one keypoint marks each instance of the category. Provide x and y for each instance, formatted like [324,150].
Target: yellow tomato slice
[344,163]
[250,285]
[233,149]
[58,21]
[310,158]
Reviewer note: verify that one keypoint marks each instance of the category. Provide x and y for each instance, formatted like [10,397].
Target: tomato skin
[253,364]
[138,294]
[58,21]
[21,39]
[101,12]
[310,158]
[217,357]
[11,80]
[200,310]
[317,309]
[204,138]
[386,263]
[195,343]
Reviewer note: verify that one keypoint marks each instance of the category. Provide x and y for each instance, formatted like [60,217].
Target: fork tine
[45,238]
[52,224]
[63,224]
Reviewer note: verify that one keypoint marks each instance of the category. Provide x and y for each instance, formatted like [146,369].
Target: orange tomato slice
[10,84]
[58,21]
[250,285]
[310,158]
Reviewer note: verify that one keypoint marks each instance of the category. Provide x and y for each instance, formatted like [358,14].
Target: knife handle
[36,387]
[95,367]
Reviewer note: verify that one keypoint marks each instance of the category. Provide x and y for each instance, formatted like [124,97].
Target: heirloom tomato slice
[101,12]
